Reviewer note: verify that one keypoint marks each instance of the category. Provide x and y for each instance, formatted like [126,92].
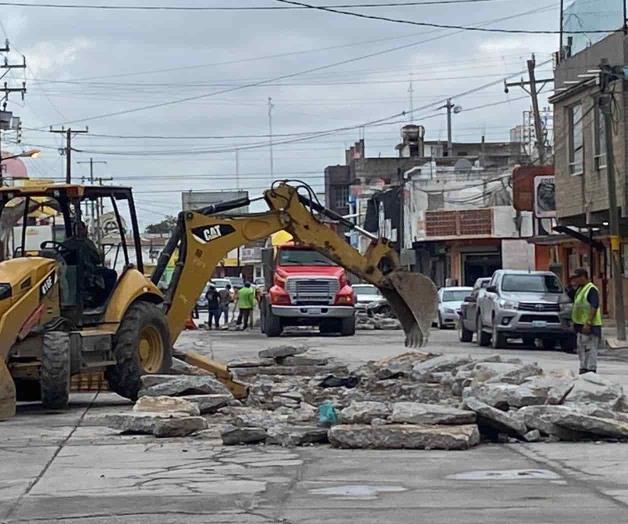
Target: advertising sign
[544,197]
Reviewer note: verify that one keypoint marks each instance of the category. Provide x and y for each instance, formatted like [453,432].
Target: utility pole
[450,146]
[68,148]
[534,95]
[270,140]
[94,215]
[608,75]
[411,93]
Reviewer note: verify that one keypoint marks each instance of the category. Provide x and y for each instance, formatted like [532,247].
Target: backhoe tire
[347,326]
[55,370]
[273,327]
[141,347]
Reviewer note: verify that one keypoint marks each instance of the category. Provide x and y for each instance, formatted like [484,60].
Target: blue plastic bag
[327,415]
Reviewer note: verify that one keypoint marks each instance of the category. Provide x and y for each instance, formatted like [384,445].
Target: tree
[164,227]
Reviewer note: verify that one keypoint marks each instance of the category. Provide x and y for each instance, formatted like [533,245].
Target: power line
[108,7]
[281,77]
[441,26]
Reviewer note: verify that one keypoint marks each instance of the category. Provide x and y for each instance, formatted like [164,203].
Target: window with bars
[576,140]
[342,196]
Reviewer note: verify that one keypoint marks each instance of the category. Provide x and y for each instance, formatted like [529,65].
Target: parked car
[468,310]
[526,305]
[449,301]
[236,282]
[218,283]
[369,299]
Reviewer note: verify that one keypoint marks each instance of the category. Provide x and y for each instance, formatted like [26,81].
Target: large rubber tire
[463,333]
[483,339]
[498,340]
[440,322]
[347,326]
[142,347]
[548,344]
[55,370]
[529,342]
[273,324]
[327,327]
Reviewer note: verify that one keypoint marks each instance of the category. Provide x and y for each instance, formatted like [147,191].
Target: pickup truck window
[303,257]
[532,284]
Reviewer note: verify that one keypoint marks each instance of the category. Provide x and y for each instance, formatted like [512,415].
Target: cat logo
[47,284]
[208,233]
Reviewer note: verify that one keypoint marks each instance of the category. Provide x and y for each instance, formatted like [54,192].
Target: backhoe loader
[63,313]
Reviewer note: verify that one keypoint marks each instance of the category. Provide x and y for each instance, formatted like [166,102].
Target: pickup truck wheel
[273,324]
[55,370]
[483,338]
[568,344]
[440,322]
[464,334]
[498,340]
[548,344]
[529,342]
[347,326]
[141,347]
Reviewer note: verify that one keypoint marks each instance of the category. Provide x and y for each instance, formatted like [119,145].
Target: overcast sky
[87,63]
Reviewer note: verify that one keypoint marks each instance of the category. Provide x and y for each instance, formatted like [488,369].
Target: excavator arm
[204,237]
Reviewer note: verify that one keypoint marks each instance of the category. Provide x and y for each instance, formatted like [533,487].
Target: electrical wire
[442,26]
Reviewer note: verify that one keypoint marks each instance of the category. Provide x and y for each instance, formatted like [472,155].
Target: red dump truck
[305,288]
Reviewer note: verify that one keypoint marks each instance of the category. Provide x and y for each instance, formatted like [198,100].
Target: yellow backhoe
[62,312]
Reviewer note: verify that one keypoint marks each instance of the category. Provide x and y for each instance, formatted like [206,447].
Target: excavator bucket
[7,392]
[412,297]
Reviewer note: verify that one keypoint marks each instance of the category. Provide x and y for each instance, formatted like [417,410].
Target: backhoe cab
[63,310]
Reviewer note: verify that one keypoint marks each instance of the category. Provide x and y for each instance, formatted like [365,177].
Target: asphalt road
[57,467]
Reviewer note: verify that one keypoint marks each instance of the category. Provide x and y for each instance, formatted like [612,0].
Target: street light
[31,153]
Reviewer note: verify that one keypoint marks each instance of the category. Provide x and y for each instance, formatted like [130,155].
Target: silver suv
[523,304]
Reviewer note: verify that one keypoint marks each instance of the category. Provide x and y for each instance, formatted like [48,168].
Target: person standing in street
[213,307]
[246,303]
[225,301]
[587,320]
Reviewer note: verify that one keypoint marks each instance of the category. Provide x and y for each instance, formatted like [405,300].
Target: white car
[366,294]
[450,300]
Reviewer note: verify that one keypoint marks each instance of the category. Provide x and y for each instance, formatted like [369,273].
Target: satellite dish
[457,109]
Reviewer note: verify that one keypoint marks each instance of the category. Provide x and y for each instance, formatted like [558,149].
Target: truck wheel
[326,327]
[483,339]
[262,317]
[568,344]
[548,344]
[141,347]
[440,322]
[498,340]
[273,324]
[347,326]
[55,370]
[463,333]
[529,342]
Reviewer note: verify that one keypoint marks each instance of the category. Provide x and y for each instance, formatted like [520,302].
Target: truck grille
[312,291]
[550,319]
[540,308]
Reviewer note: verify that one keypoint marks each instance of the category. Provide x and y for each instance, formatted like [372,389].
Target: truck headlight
[5,291]
[508,304]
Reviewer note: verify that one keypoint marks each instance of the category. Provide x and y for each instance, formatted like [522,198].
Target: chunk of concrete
[595,425]
[496,419]
[532,436]
[304,360]
[157,424]
[209,403]
[484,371]
[252,417]
[181,385]
[282,351]
[592,388]
[518,374]
[363,412]
[290,436]
[232,435]
[404,436]
[438,364]
[180,367]
[544,419]
[428,414]
[166,405]
[250,362]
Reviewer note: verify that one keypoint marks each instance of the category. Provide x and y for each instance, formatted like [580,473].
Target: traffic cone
[189,323]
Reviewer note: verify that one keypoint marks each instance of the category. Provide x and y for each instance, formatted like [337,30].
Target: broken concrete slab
[363,412]
[544,419]
[597,426]
[442,363]
[209,403]
[166,405]
[233,435]
[484,371]
[157,424]
[181,385]
[503,396]
[532,436]
[591,387]
[404,436]
[518,374]
[496,419]
[428,414]
[250,363]
[291,436]
[304,360]
[252,417]
[299,371]
[282,351]
[179,367]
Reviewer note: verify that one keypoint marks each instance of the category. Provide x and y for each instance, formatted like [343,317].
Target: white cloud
[47,56]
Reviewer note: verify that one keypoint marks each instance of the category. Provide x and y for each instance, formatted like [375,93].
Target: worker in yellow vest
[587,320]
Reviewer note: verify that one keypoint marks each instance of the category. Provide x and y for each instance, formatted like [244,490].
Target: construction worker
[226,299]
[213,307]
[246,303]
[587,320]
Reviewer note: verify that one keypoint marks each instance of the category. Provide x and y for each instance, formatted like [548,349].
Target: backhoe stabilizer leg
[7,393]
[413,298]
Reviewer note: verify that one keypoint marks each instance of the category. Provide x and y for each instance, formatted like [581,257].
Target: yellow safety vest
[582,309]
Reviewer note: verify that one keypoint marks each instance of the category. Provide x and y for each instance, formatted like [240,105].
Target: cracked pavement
[59,467]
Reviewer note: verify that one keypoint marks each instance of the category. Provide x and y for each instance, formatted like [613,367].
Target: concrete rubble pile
[413,400]
[365,322]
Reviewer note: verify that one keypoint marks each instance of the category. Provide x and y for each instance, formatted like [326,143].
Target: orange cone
[189,323]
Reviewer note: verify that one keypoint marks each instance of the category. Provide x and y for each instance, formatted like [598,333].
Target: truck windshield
[532,284]
[303,257]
